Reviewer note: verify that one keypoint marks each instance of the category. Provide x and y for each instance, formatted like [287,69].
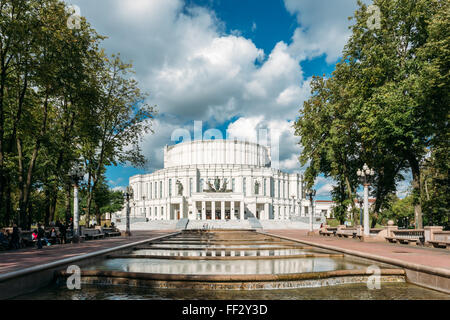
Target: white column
[232,211]
[222,210]
[203,210]
[366,210]
[241,211]
[266,211]
[182,209]
[194,209]
[213,210]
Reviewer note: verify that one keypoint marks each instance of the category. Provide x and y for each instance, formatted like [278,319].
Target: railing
[417,234]
[443,236]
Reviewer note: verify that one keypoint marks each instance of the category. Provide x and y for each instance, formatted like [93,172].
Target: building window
[265,187]
[162,212]
[306,210]
[160,189]
[191,186]
[156,190]
[201,185]
[233,185]
[170,187]
[244,186]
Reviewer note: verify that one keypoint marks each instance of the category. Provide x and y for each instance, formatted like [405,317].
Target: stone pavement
[430,257]
[25,258]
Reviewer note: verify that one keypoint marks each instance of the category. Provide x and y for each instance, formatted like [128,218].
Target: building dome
[216,152]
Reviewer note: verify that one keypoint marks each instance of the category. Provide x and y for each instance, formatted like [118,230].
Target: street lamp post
[145,209]
[365,176]
[361,201]
[127,195]
[76,173]
[311,194]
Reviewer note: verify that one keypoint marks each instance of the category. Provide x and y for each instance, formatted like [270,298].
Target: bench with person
[413,236]
[328,231]
[92,234]
[111,232]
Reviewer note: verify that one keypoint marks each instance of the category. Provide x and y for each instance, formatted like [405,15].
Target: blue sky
[235,65]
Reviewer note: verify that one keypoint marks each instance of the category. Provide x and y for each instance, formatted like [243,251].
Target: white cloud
[323,27]
[194,70]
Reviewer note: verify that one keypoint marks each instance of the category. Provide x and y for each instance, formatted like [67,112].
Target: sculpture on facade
[256,187]
[224,187]
[210,187]
[217,184]
[180,188]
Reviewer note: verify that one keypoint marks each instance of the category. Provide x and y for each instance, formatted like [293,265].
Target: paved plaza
[429,257]
[25,258]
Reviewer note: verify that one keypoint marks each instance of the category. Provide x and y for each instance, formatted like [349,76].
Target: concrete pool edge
[234,282]
[27,280]
[428,277]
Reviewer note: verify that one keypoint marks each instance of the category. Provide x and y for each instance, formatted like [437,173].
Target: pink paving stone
[20,259]
[438,258]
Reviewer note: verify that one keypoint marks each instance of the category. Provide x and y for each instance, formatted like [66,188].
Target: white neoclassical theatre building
[218,180]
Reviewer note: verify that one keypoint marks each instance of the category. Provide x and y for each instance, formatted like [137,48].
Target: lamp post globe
[366,175]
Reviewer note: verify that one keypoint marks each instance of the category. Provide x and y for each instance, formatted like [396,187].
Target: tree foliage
[62,100]
[386,103]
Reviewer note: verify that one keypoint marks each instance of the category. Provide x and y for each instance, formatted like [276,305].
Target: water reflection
[285,266]
[225,253]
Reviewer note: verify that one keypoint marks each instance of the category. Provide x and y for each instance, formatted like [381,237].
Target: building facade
[218,180]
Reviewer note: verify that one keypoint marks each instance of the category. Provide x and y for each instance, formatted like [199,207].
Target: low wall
[425,276]
[28,280]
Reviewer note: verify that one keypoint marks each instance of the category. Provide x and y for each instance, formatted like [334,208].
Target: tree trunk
[415,169]
[68,201]
[27,187]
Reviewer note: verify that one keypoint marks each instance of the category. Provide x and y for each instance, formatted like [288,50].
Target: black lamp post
[76,175]
[128,194]
[311,194]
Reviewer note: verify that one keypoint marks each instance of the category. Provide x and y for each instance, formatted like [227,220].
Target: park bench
[27,238]
[347,232]
[92,234]
[111,232]
[328,232]
[441,239]
[415,236]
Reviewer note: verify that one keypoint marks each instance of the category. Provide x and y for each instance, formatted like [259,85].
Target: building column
[213,210]
[266,211]
[222,210]
[168,211]
[276,210]
[194,209]
[232,211]
[182,209]
[242,210]
[203,210]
